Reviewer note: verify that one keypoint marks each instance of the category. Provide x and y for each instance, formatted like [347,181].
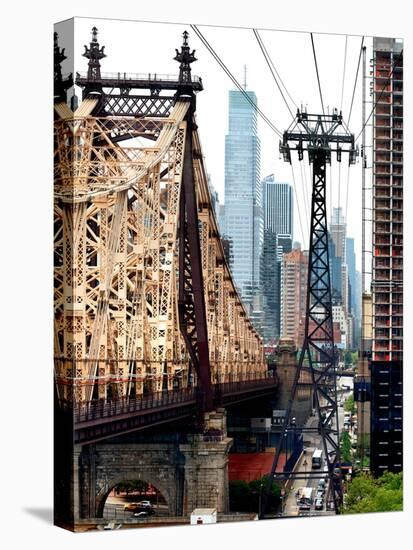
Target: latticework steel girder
[316,134]
[117,245]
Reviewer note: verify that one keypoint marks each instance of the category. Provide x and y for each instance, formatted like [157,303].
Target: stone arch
[116,480]
[154,463]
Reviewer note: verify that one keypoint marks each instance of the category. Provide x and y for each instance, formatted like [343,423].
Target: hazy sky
[150,47]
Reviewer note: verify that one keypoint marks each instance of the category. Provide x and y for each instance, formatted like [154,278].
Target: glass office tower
[244,224]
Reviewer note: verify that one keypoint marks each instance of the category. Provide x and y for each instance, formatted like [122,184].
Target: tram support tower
[320,136]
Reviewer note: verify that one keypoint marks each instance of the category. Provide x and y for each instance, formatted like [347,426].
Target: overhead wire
[277,79]
[274,71]
[379,97]
[355,82]
[342,92]
[234,80]
[347,189]
[344,75]
[308,198]
[298,206]
[307,219]
[318,76]
[339,185]
[263,116]
[345,125]
[331,194]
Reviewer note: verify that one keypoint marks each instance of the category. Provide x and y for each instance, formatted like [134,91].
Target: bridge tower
[191,303]
[94,53]
[149,327]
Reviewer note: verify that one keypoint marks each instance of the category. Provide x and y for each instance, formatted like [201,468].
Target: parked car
[141,505]
[319,504]
[321,484]
[145,504]
[131,506]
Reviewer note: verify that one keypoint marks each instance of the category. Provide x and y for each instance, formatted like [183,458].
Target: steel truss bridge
[148,323]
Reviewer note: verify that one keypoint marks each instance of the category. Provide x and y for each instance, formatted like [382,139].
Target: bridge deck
[99,420]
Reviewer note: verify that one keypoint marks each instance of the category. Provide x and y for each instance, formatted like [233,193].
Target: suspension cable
[344,74]
[235,81]
[272,126]
[331,193]
[318,76]
[304,195]
[381,93]
[355,82]
[347,188]
[298,205]
[273,71]
[339,184]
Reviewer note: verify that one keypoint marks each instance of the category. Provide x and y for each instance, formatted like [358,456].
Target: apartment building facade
[294,270]
[387,264]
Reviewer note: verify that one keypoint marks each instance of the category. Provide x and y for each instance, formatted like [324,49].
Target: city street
[313,441]
[114,508]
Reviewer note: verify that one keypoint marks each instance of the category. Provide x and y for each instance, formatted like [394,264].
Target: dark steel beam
[315,134]
[125,81]
[135,105]
[192,311]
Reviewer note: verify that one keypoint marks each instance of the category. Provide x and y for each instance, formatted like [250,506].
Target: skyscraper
[278,226]
[278,206]
[274,248]
[335,270]
[243,207]
[294,269]
[338,232]
[354,293]
[387,277]
[342,277]
[351,265]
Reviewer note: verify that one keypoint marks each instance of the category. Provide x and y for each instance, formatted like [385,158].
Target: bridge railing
[125,405]
[144,77]
[100,409]
[269,378]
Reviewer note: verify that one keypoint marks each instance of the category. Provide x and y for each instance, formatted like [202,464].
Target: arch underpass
[128,497]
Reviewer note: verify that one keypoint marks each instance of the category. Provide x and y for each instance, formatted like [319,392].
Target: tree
[348,358]
[362,452]
[349,405]
[366,494]
[345,447]
[239,496]
[245,497]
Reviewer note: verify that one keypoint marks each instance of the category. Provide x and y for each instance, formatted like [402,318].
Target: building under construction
[387,251]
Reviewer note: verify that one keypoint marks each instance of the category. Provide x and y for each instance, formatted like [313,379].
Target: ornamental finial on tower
[185,58]
[94,53]
[59,53]
[60,84]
